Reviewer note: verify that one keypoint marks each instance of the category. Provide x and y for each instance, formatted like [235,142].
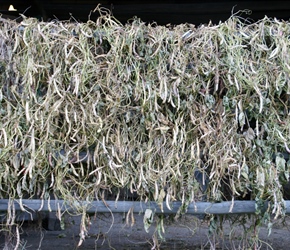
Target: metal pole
[226,207]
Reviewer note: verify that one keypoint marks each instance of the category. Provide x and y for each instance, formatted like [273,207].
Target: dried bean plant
[88,107]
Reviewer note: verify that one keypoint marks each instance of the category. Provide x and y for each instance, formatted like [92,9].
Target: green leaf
[209,101]
[280,162]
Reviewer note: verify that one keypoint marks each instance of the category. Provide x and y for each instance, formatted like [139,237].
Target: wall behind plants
[146,106]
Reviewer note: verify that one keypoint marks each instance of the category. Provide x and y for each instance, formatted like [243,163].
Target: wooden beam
[197,208]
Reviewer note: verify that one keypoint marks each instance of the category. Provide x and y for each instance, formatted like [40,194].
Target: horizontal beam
[227,207]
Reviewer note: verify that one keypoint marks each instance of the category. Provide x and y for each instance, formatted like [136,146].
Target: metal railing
[196,208]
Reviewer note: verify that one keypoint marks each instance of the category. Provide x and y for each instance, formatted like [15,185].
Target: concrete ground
[118,231]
